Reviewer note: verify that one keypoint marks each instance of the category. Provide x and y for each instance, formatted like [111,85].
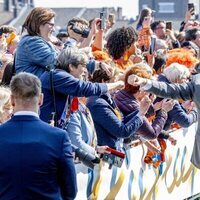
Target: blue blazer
[36,161]
[109,127]
[65,84]
[80,130]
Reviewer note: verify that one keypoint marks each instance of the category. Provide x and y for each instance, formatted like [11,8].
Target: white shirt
[30,113]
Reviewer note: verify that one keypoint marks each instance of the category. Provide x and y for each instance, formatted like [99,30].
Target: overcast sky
[130,7]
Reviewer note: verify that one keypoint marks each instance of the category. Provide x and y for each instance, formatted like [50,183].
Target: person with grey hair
[36,158]
[71,58]
[61,84]
[177,73]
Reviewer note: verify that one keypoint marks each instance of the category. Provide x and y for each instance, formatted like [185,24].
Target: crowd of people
[91,88]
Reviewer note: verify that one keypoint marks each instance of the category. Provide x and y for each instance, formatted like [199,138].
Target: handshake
[136,80]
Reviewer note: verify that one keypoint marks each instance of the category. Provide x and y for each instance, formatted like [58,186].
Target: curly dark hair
[120,40]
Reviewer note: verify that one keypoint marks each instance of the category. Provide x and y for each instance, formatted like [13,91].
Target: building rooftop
[63,15]
[5,17]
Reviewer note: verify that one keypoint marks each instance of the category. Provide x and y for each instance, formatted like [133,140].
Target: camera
[83,32]
[88,159]
[115,157]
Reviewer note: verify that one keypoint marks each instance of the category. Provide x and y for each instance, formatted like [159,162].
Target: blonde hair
[176,71]
[4,98]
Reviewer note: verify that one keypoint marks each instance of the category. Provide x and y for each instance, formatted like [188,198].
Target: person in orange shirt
[121,44]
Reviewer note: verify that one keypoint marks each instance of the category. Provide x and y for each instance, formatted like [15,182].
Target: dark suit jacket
[36,161]
[64,85]
[108,126]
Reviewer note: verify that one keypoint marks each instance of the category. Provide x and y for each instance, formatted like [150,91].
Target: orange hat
[181,56]
[10,38]
[101,55]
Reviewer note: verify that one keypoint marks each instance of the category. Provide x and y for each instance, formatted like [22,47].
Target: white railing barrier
[137,181]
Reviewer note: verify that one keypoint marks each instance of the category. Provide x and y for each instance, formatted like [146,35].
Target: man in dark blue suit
[36,159]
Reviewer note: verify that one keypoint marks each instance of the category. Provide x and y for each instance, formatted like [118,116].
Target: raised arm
[174,91]
[107,119]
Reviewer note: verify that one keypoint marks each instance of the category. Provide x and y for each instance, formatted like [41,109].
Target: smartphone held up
[191,8]
[102,22]
[152,46]
[169,25]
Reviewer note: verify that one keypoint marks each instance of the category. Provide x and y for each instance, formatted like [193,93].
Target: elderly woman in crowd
[79,125]
[63,84]
[5,104]
[36,52]
[177,73]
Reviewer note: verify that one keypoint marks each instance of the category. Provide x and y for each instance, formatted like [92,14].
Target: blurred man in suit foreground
[36,159]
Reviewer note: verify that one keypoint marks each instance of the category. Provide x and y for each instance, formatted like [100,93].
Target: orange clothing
[101,55]
[181,56]
[122,64]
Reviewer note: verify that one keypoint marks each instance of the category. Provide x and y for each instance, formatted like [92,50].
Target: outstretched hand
[136,80]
